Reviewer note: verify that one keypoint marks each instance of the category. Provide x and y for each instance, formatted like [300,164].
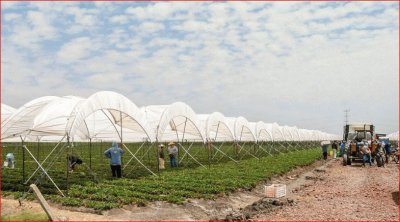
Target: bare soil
[336,192]
[324,190]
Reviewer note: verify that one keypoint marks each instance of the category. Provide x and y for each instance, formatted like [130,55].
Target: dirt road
[336,192]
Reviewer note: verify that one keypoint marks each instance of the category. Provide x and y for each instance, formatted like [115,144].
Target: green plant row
[221,175]
[96,167]
[178,186]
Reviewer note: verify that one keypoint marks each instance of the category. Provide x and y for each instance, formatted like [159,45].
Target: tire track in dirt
[344,193]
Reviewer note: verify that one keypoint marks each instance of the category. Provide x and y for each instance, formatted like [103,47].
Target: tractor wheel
[349,160]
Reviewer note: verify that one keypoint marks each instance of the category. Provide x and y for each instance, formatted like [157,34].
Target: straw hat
[161,145]
[171,143]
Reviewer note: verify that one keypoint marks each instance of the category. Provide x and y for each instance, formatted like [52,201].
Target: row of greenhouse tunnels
[43,132]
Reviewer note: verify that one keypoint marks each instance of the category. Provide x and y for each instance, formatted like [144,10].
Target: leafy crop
[172,185]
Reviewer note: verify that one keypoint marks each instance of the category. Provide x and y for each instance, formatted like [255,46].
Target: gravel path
[343,193]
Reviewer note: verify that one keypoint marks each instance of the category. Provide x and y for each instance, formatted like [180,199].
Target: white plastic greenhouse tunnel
[245,138]
[120,120]
[393,136]
[218,133]
[70,124]
[264,136]
[104,116]
[175,122]
[6,112]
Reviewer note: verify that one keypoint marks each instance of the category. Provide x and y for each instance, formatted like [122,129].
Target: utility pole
[346,116]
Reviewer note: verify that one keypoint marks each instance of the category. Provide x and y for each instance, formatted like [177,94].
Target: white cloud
[149,27]
[41,25]
[30,31]
[76,49]
[192,26]
[138,12]
[11,17]
[106,79]
[9,5]
[120,19]
[84,19]
[156,11]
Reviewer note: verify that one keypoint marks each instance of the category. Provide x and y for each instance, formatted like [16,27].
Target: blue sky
[289,62]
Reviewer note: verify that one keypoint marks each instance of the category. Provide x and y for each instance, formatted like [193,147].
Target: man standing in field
[114,153]
[10,161]
[334,148]
[173,152]
[387,150]
[325,145]
[342,147]
[366,152]
[161,157]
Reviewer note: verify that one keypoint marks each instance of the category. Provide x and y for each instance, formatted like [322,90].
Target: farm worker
[387,151]
[114,153]
[72,161]
[379,149]
[324,145]
[161,157]
[10,161]
[342,147]
[173,152]
[373,146]
[366,152]
[359,145]
[334,148]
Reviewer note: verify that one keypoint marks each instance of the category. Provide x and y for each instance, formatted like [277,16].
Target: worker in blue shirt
[114,153]
[342,147]
[387,150]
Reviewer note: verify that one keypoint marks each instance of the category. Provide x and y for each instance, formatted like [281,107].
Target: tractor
[354,134]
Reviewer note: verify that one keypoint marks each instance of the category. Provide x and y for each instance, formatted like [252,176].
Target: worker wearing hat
[10,161]
[173,153]
[161,157]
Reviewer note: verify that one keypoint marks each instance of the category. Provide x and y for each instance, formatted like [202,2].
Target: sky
[295,63]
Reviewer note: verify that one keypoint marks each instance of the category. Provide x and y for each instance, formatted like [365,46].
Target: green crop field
[92,186]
